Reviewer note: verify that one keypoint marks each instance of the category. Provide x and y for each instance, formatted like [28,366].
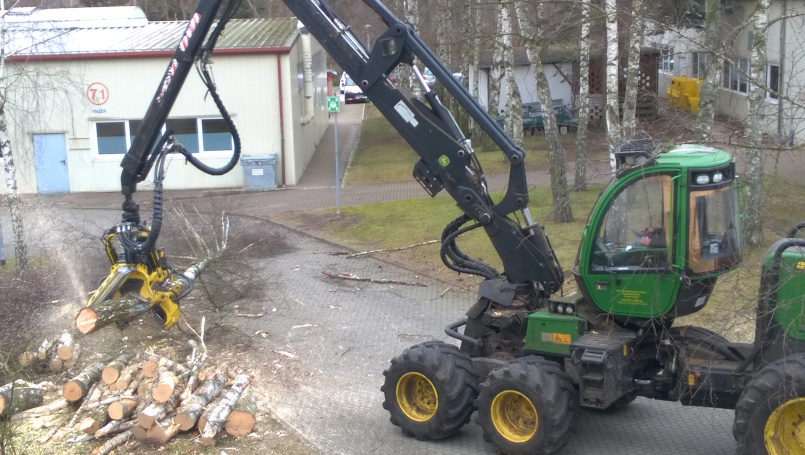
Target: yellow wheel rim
[417,397]
[514,416]
[785,429]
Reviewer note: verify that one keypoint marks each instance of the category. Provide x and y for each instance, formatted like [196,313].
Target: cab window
[714,243]
[634,233]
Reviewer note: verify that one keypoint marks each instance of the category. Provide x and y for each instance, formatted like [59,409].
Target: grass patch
[401,223]
[383,156]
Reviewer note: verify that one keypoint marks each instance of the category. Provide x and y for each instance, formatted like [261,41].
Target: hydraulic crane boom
[447,161]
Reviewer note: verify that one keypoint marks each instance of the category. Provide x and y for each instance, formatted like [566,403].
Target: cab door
[628,270]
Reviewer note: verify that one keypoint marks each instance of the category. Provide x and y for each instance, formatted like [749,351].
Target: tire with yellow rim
[429,390]
[527,406]
[770,414]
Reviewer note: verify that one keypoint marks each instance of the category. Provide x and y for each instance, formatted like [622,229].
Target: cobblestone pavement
[343,334]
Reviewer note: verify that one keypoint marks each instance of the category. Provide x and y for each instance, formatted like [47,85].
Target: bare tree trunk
[753,201]
[633,70]
[496,72]
[580,182]
[561,197]
[12,195]
[412,16]
[703,126]
[477,131]
[466,51]
[613,62]
[514,106]
[443,32]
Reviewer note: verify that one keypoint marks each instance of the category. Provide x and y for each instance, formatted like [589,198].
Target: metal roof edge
[140,54]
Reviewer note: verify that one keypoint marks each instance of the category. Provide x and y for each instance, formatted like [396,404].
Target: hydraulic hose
[208,81]
[457,260]
[156,222]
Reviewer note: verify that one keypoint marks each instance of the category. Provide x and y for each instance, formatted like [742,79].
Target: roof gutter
[140,54]
[282,117]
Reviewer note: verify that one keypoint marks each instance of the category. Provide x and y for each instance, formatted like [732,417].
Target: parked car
[430,78]
[352,93]
[427,74]
[533,122]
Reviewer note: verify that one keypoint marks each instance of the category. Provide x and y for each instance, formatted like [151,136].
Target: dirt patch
[35,308]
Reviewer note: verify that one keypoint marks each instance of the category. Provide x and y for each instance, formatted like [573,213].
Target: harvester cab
[662,232]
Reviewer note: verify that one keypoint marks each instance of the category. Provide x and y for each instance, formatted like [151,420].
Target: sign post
[333,106]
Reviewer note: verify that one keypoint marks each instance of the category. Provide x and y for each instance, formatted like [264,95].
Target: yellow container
[683,94]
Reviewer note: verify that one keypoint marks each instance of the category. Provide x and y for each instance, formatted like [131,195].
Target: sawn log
[19,398]
[118,309]
[189,412]
[241,420]
[78,387]
[220,413]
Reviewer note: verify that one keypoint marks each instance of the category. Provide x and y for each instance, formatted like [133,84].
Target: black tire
[527,406]
[429,390]
[774,392]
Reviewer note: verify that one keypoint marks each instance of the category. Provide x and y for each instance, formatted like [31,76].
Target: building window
[185,131]
[667,60]
[112,137]
[736,77]
[215,135]
[773,81]
[195,134]
[698,64]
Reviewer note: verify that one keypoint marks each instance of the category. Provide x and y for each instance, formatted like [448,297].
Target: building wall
[734,104]
[41,99]
[303,139]
[560,86]
[248,85]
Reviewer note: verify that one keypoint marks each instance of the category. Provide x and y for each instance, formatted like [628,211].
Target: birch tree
[514,108]
[632,71]
[443,32]
[474,21]
[412,16]
[580,181]
[529,20]
[466,54]
[703,126]
[753,196]
[10,169]
[612,63]
[496,72]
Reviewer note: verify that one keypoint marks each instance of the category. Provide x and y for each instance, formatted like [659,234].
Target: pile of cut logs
[149,400]
[54,355]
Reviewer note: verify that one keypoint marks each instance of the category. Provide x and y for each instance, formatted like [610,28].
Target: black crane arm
[447,159]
